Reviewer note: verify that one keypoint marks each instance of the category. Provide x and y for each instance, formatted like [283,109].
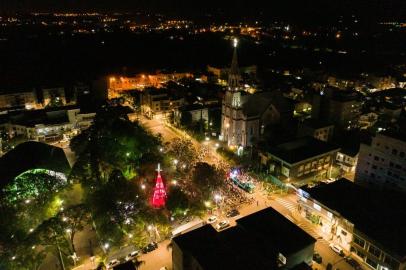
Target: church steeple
[234,74]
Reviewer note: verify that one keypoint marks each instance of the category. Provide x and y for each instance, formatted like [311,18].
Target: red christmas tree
[159,197]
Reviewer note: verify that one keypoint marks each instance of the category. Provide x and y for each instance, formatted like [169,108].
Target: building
[317,129]
[29,156]
[47,125]
[301,160]
[23,100]
[159,102]
[366,222]
[341,107]
[263,240]
[121,84]
[54,96]
[382,163]
[347,157]
[197,113]
[244,115]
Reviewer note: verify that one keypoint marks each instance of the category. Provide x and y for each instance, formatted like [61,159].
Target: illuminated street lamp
[176,162]
[143,186]
[127,154]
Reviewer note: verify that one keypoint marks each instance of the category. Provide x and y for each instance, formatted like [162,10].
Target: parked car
[317,258]
[211,219]
[232,213]
[150,247]
[113,263]
[337,249]
[132,255]
[353,263]
[330,180]
[222,225]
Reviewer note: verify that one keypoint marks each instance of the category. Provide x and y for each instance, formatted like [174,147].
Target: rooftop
[301,149]
[378,222]
[31,155]
[253,244]
[257,103]
[316,124]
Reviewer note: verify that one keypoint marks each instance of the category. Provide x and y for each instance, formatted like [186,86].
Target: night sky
[282,8]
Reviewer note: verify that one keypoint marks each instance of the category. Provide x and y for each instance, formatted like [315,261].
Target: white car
[211,219]
[222,225]
[330,180]
[337,249]
[113,263]
[132,255]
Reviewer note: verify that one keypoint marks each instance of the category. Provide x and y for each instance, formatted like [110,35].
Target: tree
[52,235]
[34,184]
[115,205]
[75,218]
[177,201]
[186,119]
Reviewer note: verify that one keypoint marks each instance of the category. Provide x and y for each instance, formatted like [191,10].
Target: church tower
[234,77]
[232,107]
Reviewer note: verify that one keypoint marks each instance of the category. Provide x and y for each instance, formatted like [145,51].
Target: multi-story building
[159,102]
[383,162]
[301,161]
[263,240]
[47,125]
[54,96]
[317,129]
[366,222]
[197,113]
[19,100]
[341,107]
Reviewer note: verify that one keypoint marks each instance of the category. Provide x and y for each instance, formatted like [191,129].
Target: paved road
[285,204]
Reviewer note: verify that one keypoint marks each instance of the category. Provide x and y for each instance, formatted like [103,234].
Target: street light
[143,186]
[176,162]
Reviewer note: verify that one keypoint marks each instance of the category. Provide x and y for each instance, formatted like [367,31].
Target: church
[245,115]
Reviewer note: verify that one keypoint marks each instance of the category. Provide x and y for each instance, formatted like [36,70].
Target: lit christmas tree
[159,197]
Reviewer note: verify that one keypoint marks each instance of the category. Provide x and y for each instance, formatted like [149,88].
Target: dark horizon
[293,9]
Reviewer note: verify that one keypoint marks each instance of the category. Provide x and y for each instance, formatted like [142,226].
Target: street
[286,204]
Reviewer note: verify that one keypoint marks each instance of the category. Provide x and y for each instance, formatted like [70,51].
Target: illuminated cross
[159,168]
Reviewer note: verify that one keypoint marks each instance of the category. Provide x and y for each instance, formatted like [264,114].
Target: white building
[383,162]
[244,115]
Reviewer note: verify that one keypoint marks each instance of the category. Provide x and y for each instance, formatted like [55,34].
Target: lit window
[317,207]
